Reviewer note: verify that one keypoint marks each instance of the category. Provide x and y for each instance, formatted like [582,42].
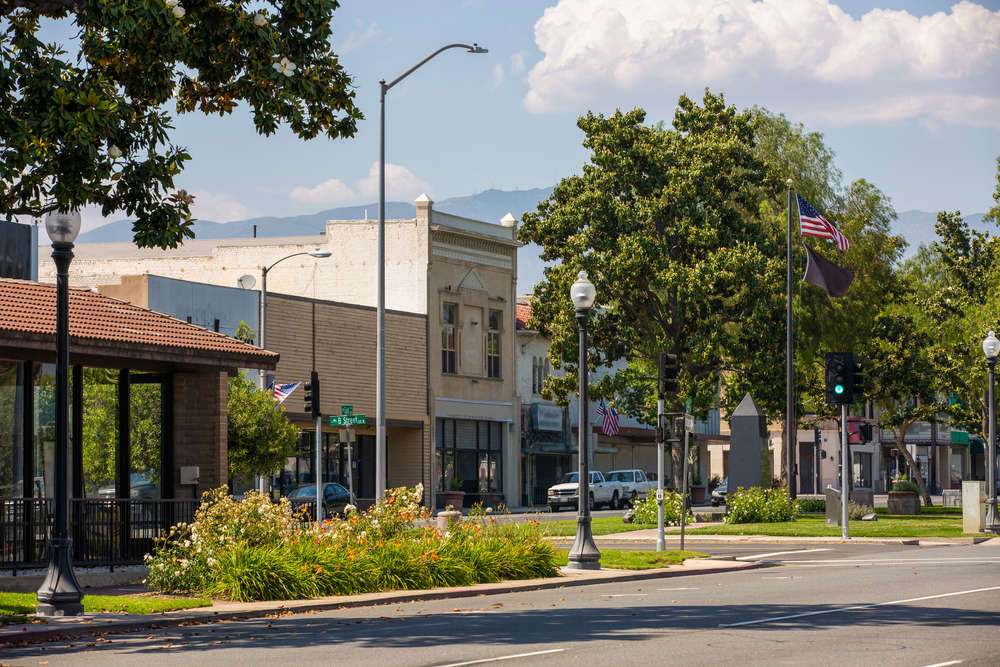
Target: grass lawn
[814,526]
[14,606]
[637,560]
[604,525]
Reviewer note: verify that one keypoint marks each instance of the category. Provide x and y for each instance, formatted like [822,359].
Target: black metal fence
[105,532]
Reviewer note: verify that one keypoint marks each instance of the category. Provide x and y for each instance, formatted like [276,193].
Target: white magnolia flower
[260,19]
[284,66]
[179,12]
[114,152]
[171,3]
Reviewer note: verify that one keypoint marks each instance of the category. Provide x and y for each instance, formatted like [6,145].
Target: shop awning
[959,439]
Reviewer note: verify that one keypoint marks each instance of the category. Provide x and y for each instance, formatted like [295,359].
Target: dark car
[719,493]
[335,497]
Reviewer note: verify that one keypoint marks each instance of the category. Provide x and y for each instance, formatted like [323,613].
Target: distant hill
[917,227]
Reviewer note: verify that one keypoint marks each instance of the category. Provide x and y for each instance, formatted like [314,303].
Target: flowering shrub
[811,505]
[645,510]
[757,505]
[253,549]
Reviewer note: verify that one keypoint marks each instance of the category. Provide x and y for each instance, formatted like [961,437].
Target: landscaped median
[618,559]
[16,607]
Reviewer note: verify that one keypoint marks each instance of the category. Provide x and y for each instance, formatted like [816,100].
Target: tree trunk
[912,464]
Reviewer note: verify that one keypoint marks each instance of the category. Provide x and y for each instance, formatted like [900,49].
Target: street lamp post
[380,455]
[584,555]
[991,347]
[60,593]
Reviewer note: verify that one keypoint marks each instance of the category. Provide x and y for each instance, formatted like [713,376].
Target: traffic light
[667,377]
[840,378]
[865,432]
[663,428]
[312,395]
[858,383]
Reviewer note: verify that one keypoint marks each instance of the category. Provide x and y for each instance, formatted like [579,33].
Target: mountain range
[917,227]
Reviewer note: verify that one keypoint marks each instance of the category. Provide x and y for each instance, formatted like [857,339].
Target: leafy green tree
[260,436]
[87,124]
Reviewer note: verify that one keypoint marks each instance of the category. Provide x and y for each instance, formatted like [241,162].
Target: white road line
[945,664]
[626,595]
[854,561]
[779,553]
[856,607]
[502,657]
[678,589]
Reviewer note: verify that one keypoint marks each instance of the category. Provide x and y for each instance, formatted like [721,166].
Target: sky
[907,94]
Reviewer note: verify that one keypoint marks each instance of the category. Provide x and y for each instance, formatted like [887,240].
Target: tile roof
[522,315]
[30,308]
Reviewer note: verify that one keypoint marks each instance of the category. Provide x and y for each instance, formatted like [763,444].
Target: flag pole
[790,422]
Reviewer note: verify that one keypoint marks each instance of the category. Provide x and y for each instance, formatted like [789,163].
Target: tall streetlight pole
[380,455]
[584,555]
[60,593]
[991,347]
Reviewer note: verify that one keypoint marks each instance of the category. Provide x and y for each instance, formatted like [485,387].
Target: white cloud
[360,36]
[497,75]
[220,207]
[517,65]
[333,191]
[401,184]
[805,57]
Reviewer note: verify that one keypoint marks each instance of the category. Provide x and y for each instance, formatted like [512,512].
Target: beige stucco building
[458,275]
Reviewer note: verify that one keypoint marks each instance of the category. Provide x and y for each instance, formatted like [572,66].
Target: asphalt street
[855,604]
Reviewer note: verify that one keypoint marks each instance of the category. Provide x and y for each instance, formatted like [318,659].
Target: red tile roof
[30,308]
[522,315]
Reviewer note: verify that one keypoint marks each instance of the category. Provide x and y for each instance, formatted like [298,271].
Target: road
[855,604]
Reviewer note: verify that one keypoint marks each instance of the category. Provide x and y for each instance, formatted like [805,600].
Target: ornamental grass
[256,549]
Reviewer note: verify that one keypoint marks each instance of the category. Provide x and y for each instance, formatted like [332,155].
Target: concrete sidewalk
[99,624]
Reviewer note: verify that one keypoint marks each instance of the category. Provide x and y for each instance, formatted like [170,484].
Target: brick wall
[200,429]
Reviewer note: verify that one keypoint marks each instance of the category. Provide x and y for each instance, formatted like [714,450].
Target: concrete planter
[453,498]
[904,502]
[698,494]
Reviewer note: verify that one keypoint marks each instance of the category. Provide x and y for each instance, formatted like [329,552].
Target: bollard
[444,519]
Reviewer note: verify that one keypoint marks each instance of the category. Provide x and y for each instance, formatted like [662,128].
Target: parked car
[719,493]
[634,483]
[141,487]
[602,492]
[335,497]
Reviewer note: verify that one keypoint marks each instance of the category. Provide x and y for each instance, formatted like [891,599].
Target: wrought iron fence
[105,532]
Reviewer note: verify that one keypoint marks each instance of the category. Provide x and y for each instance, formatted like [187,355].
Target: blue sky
[909,101]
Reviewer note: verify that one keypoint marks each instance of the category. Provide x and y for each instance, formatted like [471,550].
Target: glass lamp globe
[319,254]
[583,292]
[991,346]
[62,227]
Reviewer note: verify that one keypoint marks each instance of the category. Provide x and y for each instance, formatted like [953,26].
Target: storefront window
[100,431]
[471,453]
[145,437]
[862,470]
[11,435]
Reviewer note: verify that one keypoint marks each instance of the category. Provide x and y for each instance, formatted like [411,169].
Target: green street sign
[347,420]
[347,409]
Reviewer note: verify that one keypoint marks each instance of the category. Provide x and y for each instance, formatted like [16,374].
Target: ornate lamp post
[584,555]
[991,347]
[60,593]
[383,88]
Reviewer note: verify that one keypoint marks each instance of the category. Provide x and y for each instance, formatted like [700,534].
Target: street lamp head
[991,346]
[320,253]
[478,49]
[583,292]
[62,227]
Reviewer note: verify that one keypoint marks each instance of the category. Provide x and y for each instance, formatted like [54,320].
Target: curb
[52,634]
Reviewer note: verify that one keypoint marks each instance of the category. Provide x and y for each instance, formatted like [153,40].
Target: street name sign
[347,409]
[347,420]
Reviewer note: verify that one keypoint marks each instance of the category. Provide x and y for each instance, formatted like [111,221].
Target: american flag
[610,417]
[814,224]
[282,391]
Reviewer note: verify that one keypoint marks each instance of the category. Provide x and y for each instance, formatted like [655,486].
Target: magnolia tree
[87,123]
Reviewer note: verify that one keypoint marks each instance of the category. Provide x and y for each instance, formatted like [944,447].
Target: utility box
[749,456]
[973,506]
[834,506]
[190,476]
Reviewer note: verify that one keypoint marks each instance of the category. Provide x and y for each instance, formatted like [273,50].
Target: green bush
[855,512]
[905,485]
[645,510]
[811,505]
[757,505]
[253,549]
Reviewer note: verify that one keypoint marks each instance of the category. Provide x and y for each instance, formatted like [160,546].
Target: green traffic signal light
[838,389]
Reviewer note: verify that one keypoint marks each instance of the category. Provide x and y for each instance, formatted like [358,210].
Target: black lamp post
[584,555]
[991,347]
[60,593]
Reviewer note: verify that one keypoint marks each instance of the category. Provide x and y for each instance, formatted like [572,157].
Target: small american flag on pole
[813,224]
[282,391]
[610,419]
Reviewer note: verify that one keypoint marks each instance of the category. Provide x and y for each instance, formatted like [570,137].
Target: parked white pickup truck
[602,492]
[634,483]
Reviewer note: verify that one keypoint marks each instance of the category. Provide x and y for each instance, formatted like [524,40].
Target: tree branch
[45,7]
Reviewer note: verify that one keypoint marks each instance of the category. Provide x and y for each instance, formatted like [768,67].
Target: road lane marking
[945,664]
[626,595]
[679,589]
[854,561]
[856,607]
[502,657]
[779,553]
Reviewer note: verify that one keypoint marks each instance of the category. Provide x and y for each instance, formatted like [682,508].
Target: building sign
[15,250]
[546,417]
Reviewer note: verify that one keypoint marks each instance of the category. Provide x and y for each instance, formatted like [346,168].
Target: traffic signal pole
[845,485]
[319,469]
